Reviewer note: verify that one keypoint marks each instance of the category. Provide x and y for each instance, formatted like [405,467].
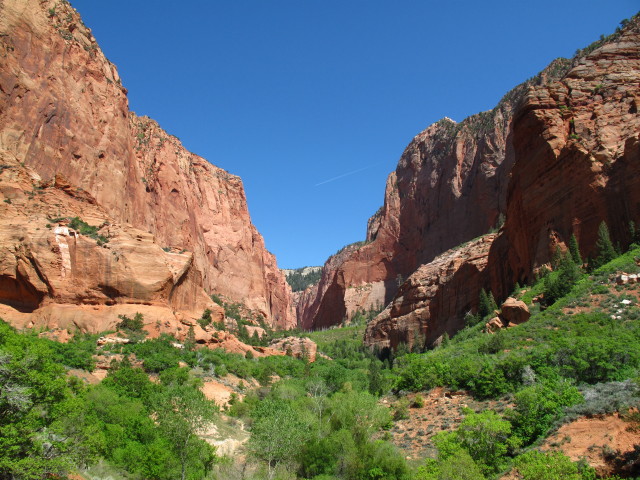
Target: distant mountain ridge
[301,278]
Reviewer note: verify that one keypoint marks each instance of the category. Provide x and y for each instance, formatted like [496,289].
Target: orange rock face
[51,275]
[64,112]
[434,298]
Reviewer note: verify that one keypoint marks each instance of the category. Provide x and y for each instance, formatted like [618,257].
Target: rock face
[64,112]
[571,160]
[434,298]
[450,186]
[297,347]
[577,149]
[53,275]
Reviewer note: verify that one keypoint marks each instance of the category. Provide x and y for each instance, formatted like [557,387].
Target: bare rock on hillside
[429,303]
[296,347]
[514,312]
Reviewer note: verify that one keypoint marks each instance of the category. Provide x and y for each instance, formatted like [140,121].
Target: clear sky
[311,102]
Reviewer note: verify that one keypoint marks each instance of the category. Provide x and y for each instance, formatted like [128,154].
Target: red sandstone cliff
[52,275]
[63,111]
[575,161]
[429,303]
[450,186]
[577,152]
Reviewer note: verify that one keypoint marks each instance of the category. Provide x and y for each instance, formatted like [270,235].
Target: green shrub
[535,465]
[135,324]
[205,319]
[539,406]
[487,438]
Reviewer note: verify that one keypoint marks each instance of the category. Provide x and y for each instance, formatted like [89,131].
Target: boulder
[514,312]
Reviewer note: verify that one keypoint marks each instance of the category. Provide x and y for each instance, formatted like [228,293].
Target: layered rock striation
[64,113]
[428,304]
[572,160]
[450,186]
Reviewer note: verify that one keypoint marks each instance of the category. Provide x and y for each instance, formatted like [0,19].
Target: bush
[538,406]
[535,465]
[487,438]
[418,402]
[205,319]
[401,409]
[134,324]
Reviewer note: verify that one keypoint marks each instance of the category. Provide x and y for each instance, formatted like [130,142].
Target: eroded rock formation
[428,304]
[53,275]
[573,160]
[64,112]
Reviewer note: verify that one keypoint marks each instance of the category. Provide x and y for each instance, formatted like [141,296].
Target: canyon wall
[450,186]
[576,143]
[64,112]
[574,157]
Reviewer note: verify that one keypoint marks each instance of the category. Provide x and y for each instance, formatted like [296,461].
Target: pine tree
[560,282]
[574,249]
[556,258]
[375,378]
[493,306]
[604,247]
[484,305]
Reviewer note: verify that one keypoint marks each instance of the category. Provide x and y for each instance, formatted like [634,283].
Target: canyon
[482,203]
[556,157]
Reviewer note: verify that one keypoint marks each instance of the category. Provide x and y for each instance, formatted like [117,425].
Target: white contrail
[344,175]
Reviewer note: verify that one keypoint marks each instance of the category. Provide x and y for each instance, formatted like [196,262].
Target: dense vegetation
[578,354]
[299,280]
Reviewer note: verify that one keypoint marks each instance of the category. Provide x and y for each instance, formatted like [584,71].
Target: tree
[535,465]
[484,305]
[359,413]
[539,405]
[134,324]
[574,250]
[183,413]
[33,445]
[604,247]
[375,377]
[560,282]
[486,437]
[277,434]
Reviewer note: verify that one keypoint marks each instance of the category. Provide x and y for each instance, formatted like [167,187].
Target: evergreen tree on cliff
[604,247]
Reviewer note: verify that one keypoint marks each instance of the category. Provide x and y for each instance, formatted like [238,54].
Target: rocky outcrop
[433,300]
[64,112]
[514,312]
[298,347]
[450,186]
[577,149]
[54,275]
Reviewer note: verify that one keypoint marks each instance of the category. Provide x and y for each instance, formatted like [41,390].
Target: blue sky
[312,102]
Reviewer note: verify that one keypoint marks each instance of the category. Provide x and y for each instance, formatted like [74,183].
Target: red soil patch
[442,410]
[599,440]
